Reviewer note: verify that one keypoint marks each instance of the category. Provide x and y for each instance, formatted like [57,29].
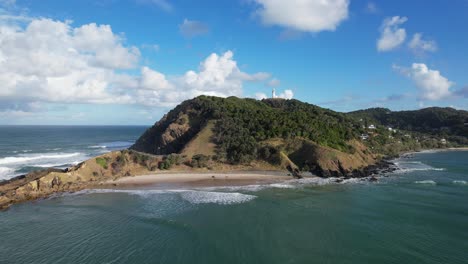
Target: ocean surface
[418,214]
[27,148]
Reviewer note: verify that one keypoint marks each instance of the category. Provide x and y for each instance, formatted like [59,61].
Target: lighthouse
[273,93]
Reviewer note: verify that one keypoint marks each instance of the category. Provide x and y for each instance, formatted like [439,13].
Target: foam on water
[428,182]
[14,165]
[460,182]
[192,196]
[200,197]
[115,145]
[34,157]
[5,172]
[405,166]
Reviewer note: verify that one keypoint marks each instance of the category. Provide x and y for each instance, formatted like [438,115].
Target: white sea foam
[5,173]
[36,157]
[282,186]
[407,170]
[192,196]
[97,146]
[460,182]
[428,182]
[405,166]
[200,197]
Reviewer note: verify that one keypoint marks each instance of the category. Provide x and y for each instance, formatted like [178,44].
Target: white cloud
[392,35]
[52,61]
[193,28]
[303,15]
[432,84]
[260,96]
[419,45]
[49,61]
[218,75]
[287,94]
[274,83]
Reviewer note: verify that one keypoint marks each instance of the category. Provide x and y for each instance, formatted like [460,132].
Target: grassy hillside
[239,124]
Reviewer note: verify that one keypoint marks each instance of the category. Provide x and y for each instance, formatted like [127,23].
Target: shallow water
[417,215]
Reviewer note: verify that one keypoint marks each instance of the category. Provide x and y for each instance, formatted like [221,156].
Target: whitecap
[35,157]
[282,186]
[192,196]
[6,173]
[97,146]
[460,182]
[200,197]
[428,182]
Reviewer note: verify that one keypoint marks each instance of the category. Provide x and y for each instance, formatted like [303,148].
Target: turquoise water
[418,215]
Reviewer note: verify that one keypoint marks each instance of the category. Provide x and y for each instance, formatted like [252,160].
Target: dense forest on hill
[241,125]
[445,123]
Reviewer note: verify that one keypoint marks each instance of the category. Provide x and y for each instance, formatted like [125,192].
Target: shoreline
[403,154]
[197,179]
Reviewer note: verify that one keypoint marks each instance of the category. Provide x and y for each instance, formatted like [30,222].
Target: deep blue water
[26,148]
[418,214]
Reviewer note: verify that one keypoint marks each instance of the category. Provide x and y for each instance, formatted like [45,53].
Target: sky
[127,62]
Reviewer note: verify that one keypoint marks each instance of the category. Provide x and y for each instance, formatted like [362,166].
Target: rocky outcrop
[95,171]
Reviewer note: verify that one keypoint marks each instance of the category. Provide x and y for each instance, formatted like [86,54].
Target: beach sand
[199,179]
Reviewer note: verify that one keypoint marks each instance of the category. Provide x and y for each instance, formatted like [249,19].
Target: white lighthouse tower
[273,93]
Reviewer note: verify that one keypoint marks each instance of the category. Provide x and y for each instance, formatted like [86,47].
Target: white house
[371,127]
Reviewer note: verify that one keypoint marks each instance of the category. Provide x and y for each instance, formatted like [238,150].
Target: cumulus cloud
[286,94]
[218,75]
[303,15]
[260,96]
[419,45]
[52,61]
[193,28]
[392,35]
[432,84]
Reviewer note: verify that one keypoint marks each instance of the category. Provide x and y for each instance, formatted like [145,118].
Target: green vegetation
[235,130]
[102,162]
[200,161]
[240,124]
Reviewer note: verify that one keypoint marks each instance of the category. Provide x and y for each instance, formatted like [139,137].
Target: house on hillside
[364,136]
[371,127]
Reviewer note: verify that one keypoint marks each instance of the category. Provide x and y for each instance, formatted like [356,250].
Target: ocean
[27,148]
[418,214]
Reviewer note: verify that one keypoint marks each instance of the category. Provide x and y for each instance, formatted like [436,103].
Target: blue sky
[128,62]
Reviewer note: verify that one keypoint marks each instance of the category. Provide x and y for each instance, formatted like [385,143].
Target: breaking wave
[428,182]
[460,182]
[192,196]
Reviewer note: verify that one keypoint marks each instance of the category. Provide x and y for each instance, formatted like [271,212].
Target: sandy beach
[200,179]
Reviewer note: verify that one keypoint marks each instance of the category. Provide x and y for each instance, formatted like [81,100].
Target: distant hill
[445,123]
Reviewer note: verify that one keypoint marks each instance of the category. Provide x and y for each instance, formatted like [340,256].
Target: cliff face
[172,132]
